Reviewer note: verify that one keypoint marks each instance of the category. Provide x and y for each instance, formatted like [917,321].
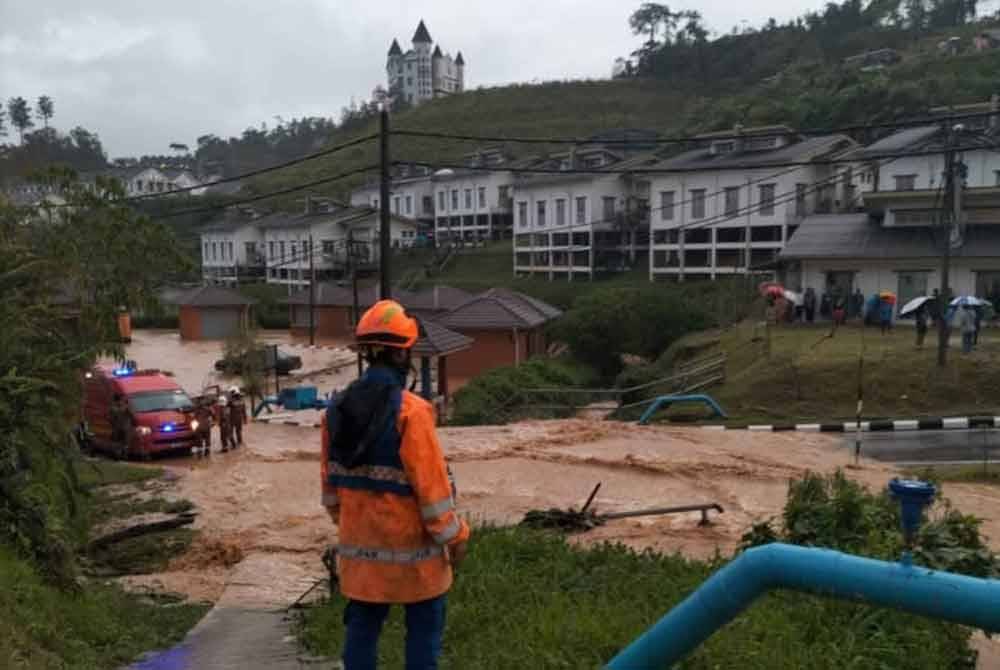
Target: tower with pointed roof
[425,71]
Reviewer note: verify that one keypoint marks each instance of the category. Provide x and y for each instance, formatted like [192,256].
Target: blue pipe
[942,595]
[667,400]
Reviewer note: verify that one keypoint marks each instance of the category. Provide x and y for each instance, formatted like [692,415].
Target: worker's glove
[457,552]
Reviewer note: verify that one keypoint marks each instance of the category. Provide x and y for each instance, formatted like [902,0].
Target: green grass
[44,628]
[527,599]
[95,472]
[812,377]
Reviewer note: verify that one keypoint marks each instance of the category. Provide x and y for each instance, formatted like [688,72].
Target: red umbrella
[888,296]
[772,289]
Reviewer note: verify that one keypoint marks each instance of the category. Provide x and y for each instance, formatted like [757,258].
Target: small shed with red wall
[213,313]
[333,309]
[507,328]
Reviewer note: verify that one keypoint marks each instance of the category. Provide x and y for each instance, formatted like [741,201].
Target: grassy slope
[101,626]
[812,377]
[528,600]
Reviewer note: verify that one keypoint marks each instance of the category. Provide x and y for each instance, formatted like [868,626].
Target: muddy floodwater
[264,529]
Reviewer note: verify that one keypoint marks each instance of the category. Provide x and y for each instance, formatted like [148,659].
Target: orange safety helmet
[387,324]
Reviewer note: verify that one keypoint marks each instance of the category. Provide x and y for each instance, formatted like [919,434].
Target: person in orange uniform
[386,486]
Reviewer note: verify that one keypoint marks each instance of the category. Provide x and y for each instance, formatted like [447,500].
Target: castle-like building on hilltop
[423,72]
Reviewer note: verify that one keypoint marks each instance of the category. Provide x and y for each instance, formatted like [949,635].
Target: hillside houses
[285,248]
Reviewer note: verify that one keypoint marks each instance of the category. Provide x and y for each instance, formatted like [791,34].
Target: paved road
[929,446]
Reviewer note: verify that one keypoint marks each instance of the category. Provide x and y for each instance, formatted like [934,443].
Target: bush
[839,513]
[497,396]
[642,321]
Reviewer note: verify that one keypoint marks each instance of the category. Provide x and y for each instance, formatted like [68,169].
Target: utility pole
[384,220]
[352,259]
[312,294]
[952,171]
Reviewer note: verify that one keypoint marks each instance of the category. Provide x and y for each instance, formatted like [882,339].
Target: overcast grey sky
[144,74]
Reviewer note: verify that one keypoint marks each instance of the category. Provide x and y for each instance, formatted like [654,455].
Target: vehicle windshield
[158,401]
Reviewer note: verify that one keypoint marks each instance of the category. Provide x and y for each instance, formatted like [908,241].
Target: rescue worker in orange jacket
[386,486]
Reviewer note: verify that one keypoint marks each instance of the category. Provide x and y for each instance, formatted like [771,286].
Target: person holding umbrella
[921,317]
[886,303]
[966,323]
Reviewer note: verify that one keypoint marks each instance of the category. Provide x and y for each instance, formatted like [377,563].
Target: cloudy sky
[145,74]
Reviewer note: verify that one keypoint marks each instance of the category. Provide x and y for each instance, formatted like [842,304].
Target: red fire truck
[129,412]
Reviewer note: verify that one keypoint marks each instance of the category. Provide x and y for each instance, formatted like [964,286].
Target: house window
[454,199]
[441,200]
[138,185]
[214,250]
[666,205]
[800,199]
[293,249]
[905,182]
[608,208]
[281,250]
[327,247]
[766,200]
[697,203]
[409,204]
[395,204]
[482,197]
[468,198]
[732,200]
[270,250]
[375,203]
[522,214]
[205,253]
[581,209]
[561,212]
[540,221]
[229,246]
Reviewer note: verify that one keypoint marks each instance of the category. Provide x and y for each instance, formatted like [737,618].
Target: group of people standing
[229,412]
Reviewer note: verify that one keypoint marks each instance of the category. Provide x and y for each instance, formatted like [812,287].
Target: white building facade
[474,203]
[411,194]
[232,252]
[575,225]
[425,71]
[732,204]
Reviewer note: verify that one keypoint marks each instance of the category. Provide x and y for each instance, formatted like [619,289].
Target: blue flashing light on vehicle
[122,372]
[167,428]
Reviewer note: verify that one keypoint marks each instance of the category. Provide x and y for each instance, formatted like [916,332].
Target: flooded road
[263,528]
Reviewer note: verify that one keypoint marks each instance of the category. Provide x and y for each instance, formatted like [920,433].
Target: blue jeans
[424,630]
[967,339]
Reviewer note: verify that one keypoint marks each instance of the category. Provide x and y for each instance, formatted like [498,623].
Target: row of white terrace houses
[327,239]
[895,242]
[470,202]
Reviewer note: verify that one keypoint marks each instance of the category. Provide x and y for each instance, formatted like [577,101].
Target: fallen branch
[136,530]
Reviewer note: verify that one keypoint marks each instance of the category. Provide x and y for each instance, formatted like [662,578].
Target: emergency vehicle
[156,413]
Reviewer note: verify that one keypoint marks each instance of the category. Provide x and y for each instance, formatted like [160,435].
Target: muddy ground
[264,529]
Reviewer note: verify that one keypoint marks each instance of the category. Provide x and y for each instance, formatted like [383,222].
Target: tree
[45,109]
[3,122]
[648,17]
[20,115]
[179,147]
[65,272]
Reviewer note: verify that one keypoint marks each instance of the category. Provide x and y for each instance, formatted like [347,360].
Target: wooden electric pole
[952,169]
[385,288]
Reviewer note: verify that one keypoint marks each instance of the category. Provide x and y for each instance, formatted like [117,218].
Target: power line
[934,120]
[257,172]
[264,196]
[683,170]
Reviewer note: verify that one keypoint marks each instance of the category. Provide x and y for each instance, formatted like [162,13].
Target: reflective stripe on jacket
[396,511]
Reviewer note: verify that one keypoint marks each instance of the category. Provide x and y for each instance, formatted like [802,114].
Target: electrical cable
[680,170]
[910,123]
[265,196]
[253,173]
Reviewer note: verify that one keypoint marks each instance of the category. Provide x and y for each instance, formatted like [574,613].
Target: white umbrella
[914,305]
[792,297]
[969,300]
